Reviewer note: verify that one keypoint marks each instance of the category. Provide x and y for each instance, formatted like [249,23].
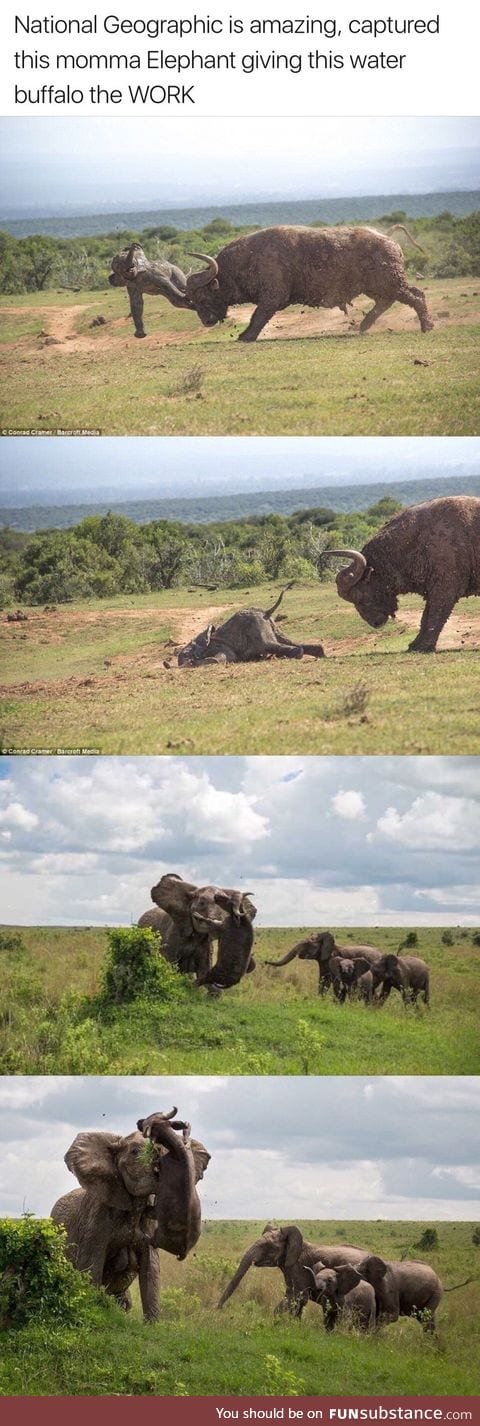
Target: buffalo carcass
[246,637]
[317,267]
[432,550]
[131,269]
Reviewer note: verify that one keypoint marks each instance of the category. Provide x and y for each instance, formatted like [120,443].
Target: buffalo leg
[435,615]
[381,305]
[136,309]
[414,297]
[258,321]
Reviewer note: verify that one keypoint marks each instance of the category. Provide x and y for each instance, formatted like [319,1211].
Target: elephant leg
[282,650]
[92,1251]
[149,1283]
[414,297]
[123,1300]
[262,314]
[282,1307]
[436,612]
[381,305]
[136,309]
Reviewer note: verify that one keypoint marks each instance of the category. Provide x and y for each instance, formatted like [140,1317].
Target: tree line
[106,555]
[34,264]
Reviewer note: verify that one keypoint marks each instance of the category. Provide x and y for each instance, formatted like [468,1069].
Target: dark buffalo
[246,637]
[432,550]
[131,269]
[320,267]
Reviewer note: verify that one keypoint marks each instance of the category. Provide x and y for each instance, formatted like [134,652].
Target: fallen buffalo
[131,269]
[318,267]
[246,637]
[432,550]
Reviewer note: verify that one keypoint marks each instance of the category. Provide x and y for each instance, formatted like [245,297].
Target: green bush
[448,938]
[428,1241]
[411,939]
[36,1281]
[135,967]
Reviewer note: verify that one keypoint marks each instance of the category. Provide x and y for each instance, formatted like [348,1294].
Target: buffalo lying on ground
[246,637]
[131,269]
[321,267]
[432,550]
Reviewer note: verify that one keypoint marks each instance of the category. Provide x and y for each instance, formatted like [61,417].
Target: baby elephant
[342,1292]
[349,975]
[131,269]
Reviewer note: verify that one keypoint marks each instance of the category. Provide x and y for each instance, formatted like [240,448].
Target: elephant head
[313,948]
[177,1206]
[202,915]
[276,1248]
[331,1286]
[382,1278]
[115,1169]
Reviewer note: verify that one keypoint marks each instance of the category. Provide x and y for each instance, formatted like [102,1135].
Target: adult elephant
[408,974]
[322,948]
[133,1199]
[415,1288]
[192,918]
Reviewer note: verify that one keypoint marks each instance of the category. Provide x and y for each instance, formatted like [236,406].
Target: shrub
[427,1241]
[476,1237]
[35,1278]
[411,939]
[134,967]
[11,941]
[476,938]
[448,938]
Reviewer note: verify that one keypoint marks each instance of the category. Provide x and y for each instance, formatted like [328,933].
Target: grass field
[91,675]
[310,373]
[195,1350]
[274,1022]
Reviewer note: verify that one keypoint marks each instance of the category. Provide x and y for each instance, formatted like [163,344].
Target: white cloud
[349,804]
[433,821]
[15,815]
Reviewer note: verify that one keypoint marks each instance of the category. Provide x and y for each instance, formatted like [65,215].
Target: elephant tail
[456,1285]
[268,613]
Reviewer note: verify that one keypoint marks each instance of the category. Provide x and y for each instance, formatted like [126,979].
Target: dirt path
[60,334]
[460,631]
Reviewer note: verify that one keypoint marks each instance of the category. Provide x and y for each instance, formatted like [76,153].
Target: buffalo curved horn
[353,572]
[202,279]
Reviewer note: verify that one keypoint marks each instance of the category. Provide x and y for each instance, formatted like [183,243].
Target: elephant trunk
[285,960]
[246,1262]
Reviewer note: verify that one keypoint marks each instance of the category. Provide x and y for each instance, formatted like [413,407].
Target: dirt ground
[60,335]
[461,631]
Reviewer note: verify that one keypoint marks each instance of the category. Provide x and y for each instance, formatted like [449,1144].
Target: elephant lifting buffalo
[134,1197]
[191,919]
[344,1280]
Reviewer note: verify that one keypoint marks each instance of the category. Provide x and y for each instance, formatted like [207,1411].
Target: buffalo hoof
[140,334]
[246,337]
[427,326]
[419,648]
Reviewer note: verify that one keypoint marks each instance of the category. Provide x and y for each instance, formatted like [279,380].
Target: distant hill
[204,510]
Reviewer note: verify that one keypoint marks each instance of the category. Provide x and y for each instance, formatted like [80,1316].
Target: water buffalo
[131,269]
[246,637]
[320,267]
[432,550]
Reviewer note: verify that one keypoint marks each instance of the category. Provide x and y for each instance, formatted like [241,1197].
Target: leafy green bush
[135,967]
[448,938]
[411,939]
[11,941]
[428,1241]
[35,1278]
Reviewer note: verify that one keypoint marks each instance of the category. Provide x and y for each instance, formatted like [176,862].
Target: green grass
[322,385]
[274,1022]
[134,705]
[243,1351]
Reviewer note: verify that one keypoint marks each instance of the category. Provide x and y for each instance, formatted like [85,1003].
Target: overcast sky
[69,470]
[100,163]
[281,1148]
[372,841]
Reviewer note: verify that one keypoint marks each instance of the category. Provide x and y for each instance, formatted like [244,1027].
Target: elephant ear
[392,962]
[372,1269]
[347,1278]
[325,944]
[293,1240]
[361,965]
[201,1158]
[93,1159]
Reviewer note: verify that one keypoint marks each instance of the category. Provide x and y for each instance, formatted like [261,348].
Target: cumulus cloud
[284,1148]
[317,839]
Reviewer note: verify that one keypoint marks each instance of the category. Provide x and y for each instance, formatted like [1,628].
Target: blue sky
[404,1148]
[67,470]
[319,841]
[91,164]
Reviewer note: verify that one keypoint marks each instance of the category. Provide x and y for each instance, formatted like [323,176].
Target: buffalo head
[204,294]
[358,582]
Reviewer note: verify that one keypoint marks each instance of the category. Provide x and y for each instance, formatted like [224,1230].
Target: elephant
[351,975]
[417,1290]
[191,918]
[115,1220]
[287,1249]
[132,269]
[408,974]
[342,1292]
[321,947]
